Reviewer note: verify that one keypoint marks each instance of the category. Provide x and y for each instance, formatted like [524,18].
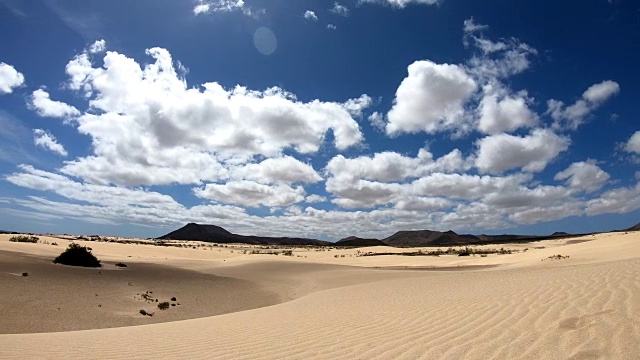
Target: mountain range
[406,238]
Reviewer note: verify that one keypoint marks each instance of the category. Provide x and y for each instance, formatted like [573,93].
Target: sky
[319,119]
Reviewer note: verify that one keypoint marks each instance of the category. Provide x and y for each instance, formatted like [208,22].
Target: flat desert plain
[576,298]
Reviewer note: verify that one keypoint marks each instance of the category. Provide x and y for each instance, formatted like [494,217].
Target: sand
[326,304]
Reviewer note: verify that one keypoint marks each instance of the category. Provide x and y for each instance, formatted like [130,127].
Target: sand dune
[526,306]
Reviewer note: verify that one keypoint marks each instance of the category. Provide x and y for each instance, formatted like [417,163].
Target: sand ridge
[526,306]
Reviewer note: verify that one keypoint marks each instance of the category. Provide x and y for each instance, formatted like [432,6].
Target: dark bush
[173,298]
[163,305]
[121,265]
[25,274]
[77,255]
[25,239]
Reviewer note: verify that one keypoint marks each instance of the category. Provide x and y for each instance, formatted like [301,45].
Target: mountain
[429,238]
[217,234]
[420,238]
[635,227]
[355,241]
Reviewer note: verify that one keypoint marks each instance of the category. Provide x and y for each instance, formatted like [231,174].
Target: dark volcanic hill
[429,238]
[420,238]
[635,227]
[216,234]
[359,242]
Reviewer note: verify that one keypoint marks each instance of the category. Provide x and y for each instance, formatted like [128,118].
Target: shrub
[77,255]
[121,265]
[25,274]
[173,298]
[25,239]
[164,305]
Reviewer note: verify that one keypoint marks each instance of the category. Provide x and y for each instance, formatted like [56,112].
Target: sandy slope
[528,306]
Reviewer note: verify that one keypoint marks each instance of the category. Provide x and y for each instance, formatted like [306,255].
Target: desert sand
[323,303]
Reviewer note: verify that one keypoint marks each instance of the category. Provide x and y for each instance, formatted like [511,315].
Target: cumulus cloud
[98,46]
[633,144]
[41,102]
[10,78]
[278,170]
[531,153]
[310,15]
[149,127]
[401,4]
[47,141]
[615,201]
[430,98]
[583,176]
[500,111]
[339,9]
[331,27]
[572,116]
[388,177]
[315,198]
[225,6]
[252,194]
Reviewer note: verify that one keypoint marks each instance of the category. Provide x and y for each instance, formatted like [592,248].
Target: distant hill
[216,234]
[635,227]
[415,238]
[429,238]
[355,241]
[420,238]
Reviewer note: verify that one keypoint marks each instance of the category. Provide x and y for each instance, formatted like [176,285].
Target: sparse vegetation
[557,257]
[121,265]
[464,251]
[77,255]
[25,239]
[145,313]
[25,274]
[163,305]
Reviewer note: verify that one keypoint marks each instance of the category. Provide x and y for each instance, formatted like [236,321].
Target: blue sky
[319,118]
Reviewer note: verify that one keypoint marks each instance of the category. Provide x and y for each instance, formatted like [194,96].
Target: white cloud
[10,78]
[32,178]
[252,194]
[616,201]
[366,182]
[339,9]
[314,198]
[418,203]
[46,140]
[584,176]
[571,117]
[391,166]
[601,92]
[401,4]
[633,144]
[98,47]
[501,112]
[377,121]
[470,26]
[41,102]
[225,6]
[532,153]
[310,15]
[499,59]
[331,27]
[278,170]
[430,98]
[149,128]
